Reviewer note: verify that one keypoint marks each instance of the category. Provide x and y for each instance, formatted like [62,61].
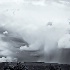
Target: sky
[27,21]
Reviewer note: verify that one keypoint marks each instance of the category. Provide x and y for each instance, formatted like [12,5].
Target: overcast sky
[27,19]
[45,10]
[43,1]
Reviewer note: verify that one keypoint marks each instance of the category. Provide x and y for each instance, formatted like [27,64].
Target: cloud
[39,38]
[45,2]
[8,59]
[44,46]
[64,42]
[42,39]
[37,2]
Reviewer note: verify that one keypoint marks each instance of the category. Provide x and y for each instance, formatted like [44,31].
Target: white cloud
[64,42]
[36,2]
[22,48]
[3,59]
[8,59]
[45,2]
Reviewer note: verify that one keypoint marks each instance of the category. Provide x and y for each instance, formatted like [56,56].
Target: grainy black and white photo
[35,31]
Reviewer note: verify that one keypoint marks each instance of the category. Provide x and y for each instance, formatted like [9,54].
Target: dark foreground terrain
[33,66]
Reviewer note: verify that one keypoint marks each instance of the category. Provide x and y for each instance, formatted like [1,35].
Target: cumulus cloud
[8,59]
